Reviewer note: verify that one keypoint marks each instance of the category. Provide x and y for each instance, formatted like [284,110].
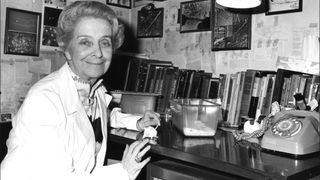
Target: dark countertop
[223,153]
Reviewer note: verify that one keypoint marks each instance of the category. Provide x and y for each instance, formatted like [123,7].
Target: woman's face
[90,49]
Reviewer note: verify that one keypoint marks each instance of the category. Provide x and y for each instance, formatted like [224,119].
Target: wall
[282,40]
[19,72]
[291,36]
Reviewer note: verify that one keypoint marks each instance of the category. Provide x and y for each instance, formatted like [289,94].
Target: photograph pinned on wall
[22,32]
[195,16]
[120,3]
[137,3]
[50,22]
[150,22]
[283,6]
[230,30]
[56,3]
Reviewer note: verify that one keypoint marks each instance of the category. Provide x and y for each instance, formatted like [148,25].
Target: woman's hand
[149,118]
[131,159]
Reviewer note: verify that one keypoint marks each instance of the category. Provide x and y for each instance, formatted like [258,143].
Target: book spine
[247,92]
[142,75]
[233,100]
[175,84]
[267,102]
[239,100]
[225,92]
[307,91]
[182,77]
[302,84]
[229,95]
[127,76]
[161,81]
[262,95]
[222,82]
[213,88]
[254,97]
[190,83]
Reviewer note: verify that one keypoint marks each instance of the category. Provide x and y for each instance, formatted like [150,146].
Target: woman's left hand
[149,118]
[132,155]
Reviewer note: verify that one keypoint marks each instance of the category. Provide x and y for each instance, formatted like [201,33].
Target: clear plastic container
[137,102]
[195,117]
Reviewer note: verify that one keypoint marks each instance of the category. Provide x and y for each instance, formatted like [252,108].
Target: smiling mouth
[96,63]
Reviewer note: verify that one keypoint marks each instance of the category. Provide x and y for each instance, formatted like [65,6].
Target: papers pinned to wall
[39,66]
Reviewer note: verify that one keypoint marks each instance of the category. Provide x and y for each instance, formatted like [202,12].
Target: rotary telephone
[294,132]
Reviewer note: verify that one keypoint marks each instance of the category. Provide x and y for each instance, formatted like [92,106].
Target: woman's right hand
[131,159]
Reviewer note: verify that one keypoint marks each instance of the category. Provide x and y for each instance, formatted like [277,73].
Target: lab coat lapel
[103,101]
[74,108]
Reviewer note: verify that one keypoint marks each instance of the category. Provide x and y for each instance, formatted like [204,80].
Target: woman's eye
[105,43]
[86,43]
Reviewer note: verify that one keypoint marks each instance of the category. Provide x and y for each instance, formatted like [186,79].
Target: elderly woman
[60,131]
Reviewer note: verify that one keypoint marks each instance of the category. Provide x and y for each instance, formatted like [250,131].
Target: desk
[224,154]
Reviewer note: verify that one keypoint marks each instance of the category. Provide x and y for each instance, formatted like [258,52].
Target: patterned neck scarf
[88,99]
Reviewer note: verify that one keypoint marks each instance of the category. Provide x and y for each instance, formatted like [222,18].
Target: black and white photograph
[50,20]
[231,30]
[195,16]
[150,22]
[160,90]
[22,32]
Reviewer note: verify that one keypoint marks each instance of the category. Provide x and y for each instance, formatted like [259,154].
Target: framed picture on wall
[120,3]
[50,22]
[150,22]
[283,6]
[230,30]
[22,32]
[195,16]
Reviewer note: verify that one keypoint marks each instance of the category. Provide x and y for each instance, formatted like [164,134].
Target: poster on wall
[231,30]
[22,32]
[150,22]
[195,16]
[50,21]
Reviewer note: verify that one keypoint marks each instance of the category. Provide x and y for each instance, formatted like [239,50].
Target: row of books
[249,94]
[161,77]
[246,94]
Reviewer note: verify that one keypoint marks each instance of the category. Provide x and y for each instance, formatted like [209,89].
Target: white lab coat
[52,137]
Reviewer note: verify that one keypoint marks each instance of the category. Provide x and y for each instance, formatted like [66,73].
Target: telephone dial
[294,132]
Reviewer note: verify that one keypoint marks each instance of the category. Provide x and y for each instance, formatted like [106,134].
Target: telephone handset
[295,132]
